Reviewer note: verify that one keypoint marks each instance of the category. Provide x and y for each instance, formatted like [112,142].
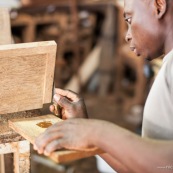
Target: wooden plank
[22,157]
[91,62]
[8,135]
[2,166]
[8,148]
[29,129]
[5,28]
[107,55]
[26,75]
[5,38]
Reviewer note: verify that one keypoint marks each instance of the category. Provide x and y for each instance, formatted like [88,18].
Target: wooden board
[29,129]
[26,75]
[5,28]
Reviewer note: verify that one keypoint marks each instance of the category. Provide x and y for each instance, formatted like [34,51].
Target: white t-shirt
[158,111]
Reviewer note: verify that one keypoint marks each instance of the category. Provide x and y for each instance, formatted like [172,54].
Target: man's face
[144,33]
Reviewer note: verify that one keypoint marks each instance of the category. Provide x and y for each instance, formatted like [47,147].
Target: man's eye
[128,20]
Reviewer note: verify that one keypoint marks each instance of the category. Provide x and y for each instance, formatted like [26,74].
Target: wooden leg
[22,158]
[5,149]
[2,165]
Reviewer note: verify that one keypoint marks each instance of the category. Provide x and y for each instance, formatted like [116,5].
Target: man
[150,35]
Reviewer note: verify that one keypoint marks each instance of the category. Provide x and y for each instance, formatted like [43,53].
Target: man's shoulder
[168,57]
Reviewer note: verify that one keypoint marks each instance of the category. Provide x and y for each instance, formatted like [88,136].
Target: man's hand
[72,105]
[76,134]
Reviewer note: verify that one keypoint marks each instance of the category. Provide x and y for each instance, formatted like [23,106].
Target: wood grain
[29,129]
[26,75]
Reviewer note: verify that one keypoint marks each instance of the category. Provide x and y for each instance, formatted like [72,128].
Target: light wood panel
[29,129]
[26,75]
[5,28]
[5,38]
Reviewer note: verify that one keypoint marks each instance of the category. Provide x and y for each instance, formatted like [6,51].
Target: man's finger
[67,93]
[51,108]
[44,139]
[56,97]
[62,101]
[53,146]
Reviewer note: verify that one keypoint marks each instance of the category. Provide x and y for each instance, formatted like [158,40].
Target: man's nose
[128,37]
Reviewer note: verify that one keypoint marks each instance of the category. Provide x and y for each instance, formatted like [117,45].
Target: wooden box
[26,76]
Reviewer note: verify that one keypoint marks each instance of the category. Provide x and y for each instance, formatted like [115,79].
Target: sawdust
[8,135]
[17,115]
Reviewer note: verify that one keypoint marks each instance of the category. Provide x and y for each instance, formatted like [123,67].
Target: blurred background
[93,60]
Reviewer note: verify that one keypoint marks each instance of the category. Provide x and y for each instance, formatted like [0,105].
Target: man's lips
[134,50]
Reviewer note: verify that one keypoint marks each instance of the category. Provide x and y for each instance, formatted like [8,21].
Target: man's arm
[137,154]
[115,164]
[124,149]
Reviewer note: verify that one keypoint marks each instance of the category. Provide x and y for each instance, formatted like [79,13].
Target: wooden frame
[21,151]
[26,75]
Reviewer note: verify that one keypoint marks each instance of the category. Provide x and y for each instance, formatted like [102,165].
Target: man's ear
[161,7]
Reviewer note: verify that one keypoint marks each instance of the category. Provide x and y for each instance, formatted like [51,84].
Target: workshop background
[93,59]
